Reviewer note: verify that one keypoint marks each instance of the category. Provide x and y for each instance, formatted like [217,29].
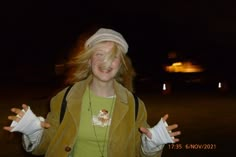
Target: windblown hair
[78,67]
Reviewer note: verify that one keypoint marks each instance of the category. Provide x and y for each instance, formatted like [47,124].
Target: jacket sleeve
[53,120]
[142,122]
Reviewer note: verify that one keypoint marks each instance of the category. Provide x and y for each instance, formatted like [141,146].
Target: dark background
[36,35]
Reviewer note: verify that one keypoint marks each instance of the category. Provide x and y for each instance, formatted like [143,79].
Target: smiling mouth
[105,70]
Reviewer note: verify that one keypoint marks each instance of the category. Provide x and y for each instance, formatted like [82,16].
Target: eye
[99,55]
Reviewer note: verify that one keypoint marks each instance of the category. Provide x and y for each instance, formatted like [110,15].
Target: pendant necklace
[101,147]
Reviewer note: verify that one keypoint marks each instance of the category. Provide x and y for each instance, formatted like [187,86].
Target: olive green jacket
[124,136]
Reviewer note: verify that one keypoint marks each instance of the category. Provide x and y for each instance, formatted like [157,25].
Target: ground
[206,119]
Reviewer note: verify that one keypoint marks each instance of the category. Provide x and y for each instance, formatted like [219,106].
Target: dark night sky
[36,33]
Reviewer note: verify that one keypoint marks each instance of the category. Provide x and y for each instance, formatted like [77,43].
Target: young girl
[99,120]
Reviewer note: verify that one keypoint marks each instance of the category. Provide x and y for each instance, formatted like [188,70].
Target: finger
[176,133]
[176,140]
[17,119]
[25,107]
[7,128]
[45,125]
[16,110]
[146,132]
[172,127]
[165,117]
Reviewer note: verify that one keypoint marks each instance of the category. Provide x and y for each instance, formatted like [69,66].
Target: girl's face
[104,65]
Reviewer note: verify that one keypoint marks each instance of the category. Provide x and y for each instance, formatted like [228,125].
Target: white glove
[160,135]
[28,124]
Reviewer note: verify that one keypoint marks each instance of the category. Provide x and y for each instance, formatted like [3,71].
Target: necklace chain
[101,148]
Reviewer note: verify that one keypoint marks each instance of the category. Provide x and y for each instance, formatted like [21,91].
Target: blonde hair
[78,67]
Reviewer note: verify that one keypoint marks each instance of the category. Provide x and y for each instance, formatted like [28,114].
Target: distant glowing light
[184,67]
[177,64]
[164,86]
[219,85]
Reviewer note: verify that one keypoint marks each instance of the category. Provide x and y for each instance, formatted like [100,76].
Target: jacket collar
[74,99]
[81,86]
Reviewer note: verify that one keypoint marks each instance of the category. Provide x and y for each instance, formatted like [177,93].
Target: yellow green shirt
[94,127]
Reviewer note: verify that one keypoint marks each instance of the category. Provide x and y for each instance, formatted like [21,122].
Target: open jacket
[124,137]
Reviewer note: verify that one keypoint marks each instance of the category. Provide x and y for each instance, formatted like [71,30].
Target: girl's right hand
[19,113]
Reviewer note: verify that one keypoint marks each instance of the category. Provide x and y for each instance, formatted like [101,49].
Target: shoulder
[126,95]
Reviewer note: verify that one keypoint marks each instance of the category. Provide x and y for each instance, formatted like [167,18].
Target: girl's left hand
[169,128]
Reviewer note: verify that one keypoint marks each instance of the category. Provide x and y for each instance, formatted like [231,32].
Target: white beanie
[104,34]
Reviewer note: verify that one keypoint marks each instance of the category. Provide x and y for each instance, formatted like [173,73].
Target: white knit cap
[104,34]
